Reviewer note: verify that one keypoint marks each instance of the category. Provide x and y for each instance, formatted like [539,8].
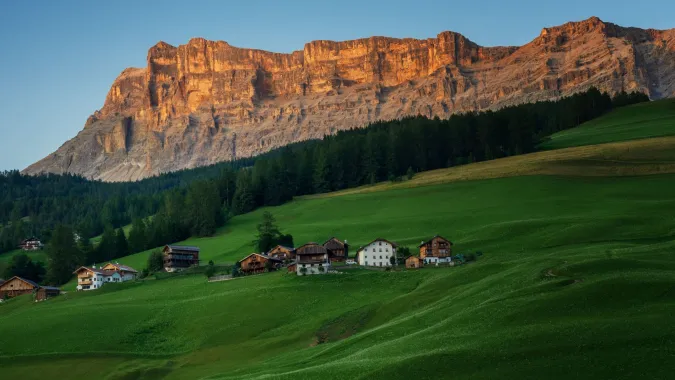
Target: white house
[312,258]
[93,278]
[377,253]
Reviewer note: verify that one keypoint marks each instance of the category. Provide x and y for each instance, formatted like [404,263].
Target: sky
[59,58]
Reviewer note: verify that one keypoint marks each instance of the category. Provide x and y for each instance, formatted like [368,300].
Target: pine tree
[138,240]
[121,244]
[63,255]
[107,246]
[268,233]
[243,200]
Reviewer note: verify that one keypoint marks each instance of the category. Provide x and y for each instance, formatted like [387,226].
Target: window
[366,263]
[380,249]
[379,243]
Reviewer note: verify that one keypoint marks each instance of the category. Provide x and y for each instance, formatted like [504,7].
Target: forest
[175,206]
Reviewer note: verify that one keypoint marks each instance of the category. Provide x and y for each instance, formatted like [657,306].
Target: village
[308,259]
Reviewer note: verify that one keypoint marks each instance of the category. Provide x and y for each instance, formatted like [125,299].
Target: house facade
[31,244]
[414,262]
[256,263]
[282,253]
[377,253]
[436,250]
[179,257]
[337,249]
[312,258]
[92,278]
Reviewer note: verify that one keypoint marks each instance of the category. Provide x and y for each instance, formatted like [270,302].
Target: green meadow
[576,280]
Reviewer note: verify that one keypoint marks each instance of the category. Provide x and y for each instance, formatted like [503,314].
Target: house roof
[123,267]
[334,243]
[97,271]
[417,257]
[183,247]
[50,288]
[257,254]
[282,246]
[376,240]
[435,236]
[311,248]
[32,283]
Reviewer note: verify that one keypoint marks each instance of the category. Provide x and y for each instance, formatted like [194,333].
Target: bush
[210,271]
[144,273]
[155,261]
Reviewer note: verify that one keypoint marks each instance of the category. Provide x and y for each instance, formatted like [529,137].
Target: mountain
[208,101]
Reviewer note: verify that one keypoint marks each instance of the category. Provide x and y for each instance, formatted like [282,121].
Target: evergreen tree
[204,210]
[121,244]
[155,261]
[243,201]
[268,233]
[321,172]
[107,247]
[23,266]
[63,255]
[138,240]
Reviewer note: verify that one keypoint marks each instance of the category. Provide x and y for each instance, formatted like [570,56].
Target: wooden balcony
[85,282]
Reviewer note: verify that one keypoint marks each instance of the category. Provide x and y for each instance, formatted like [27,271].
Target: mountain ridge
[208,101]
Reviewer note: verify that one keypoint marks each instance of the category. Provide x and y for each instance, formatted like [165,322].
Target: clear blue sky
[59,58]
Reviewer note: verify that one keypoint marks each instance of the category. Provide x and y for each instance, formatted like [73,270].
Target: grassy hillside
[639,121]
[568,261]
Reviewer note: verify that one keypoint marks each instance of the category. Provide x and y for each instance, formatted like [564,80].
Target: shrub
[210,271]
[321,268]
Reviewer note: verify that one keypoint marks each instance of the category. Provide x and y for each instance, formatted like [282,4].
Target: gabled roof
[334,243]
[310,249]
[263,256]
[435,236]
[121,267]
[29,282]
[183,247]
[376,240]
[97,271]
[282,246]
[417,257]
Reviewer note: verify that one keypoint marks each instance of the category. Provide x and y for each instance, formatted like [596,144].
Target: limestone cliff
[208,101]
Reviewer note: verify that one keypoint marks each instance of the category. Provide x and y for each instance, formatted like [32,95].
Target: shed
[413,262]
[45,292]
[17,286]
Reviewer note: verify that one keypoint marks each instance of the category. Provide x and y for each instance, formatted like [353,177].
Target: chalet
[312,258]
[179,257]
[93,278]
[127,273]
[282,253]
[31,244]
[257,263]
[413,262]
[17,286]
[437,250]
[337,250]
[377,253]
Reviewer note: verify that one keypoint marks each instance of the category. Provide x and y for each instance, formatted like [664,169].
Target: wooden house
[31,244]
[282,253]
[45,292]
[377,253]
[312,258]
[17,286]
[413,262]
[257,263]
[126,272]
[179,257]
[337,249]
[292,268]
[438,249]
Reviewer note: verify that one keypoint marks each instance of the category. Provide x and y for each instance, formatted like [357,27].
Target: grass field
[577,280]
[639,121]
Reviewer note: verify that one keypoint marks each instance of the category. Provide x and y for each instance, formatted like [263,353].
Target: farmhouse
[436,250]
[282,253]
[312,258]
[179,257]
[413,262]
[337,250]
[17,286]
[31,244]
[257,263]
[377,253]
[93,278]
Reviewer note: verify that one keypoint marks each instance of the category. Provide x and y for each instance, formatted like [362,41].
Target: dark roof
[435,236]
[183,248]
[334,243]
[50,288]
[22,279]
[284,247]
[257,254]
[311,248]
[98,271]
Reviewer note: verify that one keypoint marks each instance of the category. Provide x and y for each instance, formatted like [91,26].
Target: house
[17,286]
[312,258]
[91,278]
[45,292]
[282,253]
[31,244]
[437,250]
[337,250]
[126,272]
[377,253]
[179,257]
[292,267]
[257,263]
[413,262]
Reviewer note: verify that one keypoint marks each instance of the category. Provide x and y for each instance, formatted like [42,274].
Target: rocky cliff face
[207,101]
